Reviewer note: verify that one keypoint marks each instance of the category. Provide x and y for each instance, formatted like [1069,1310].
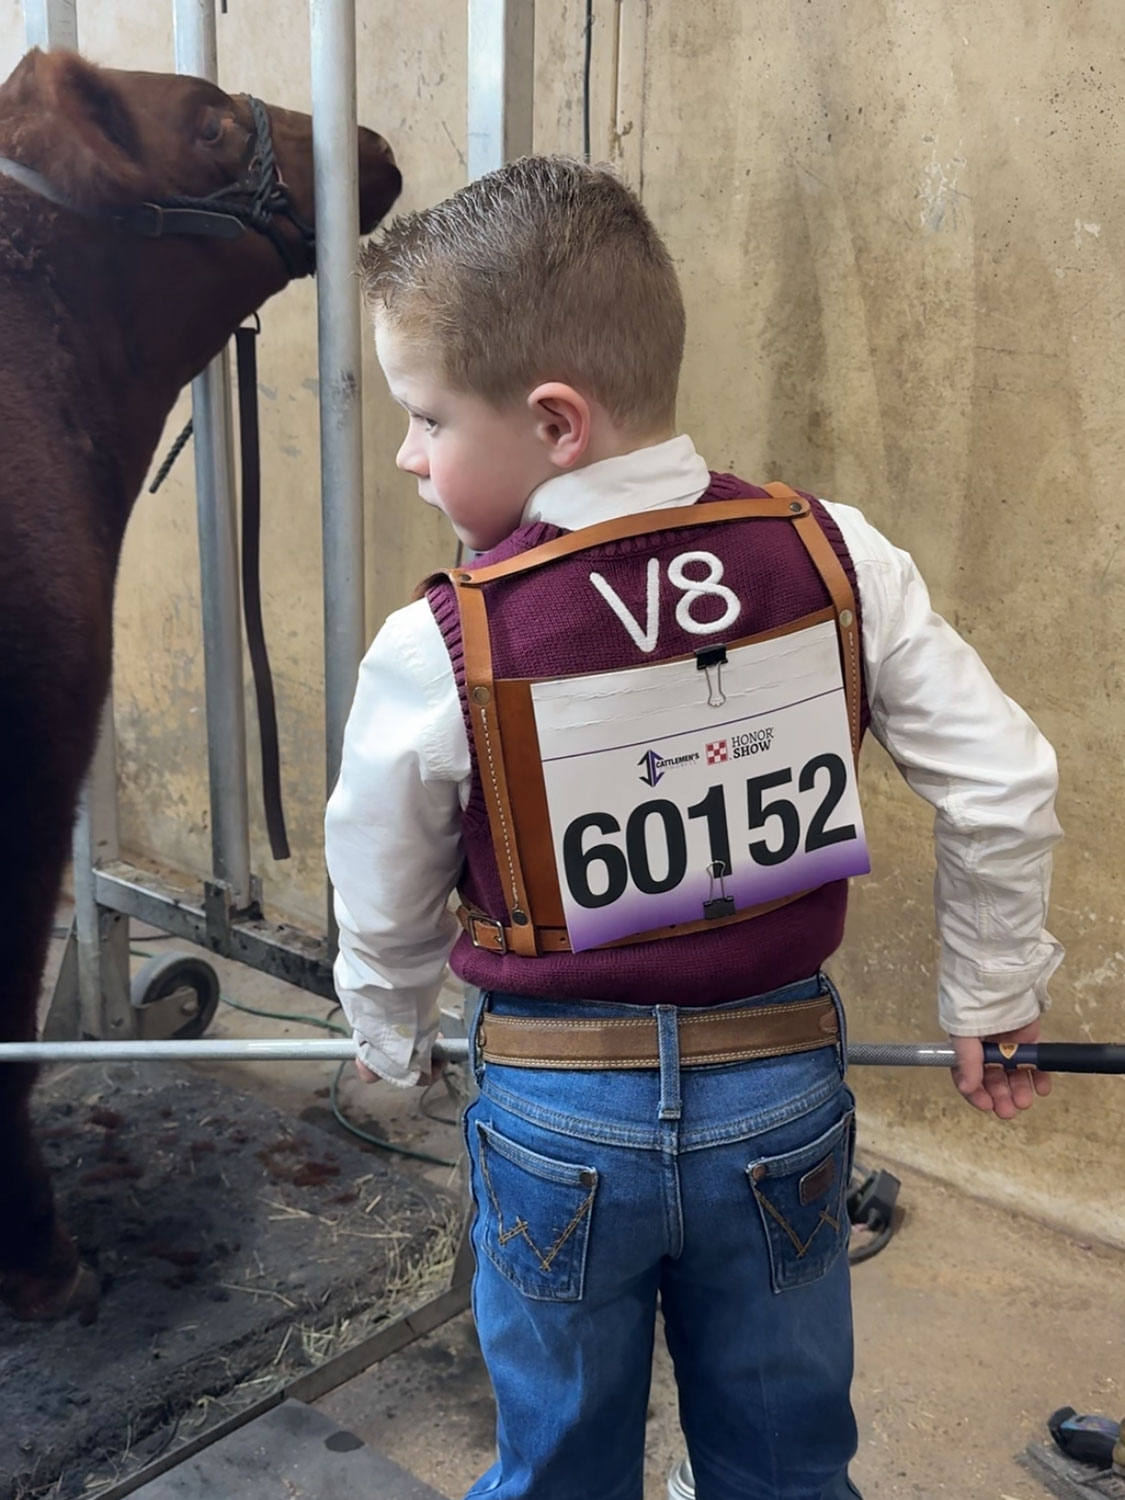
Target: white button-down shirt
[393,834]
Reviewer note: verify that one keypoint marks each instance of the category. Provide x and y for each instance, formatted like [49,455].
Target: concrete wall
[900,233]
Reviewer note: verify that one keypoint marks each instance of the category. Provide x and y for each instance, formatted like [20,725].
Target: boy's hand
[436,1068]
[994,1089]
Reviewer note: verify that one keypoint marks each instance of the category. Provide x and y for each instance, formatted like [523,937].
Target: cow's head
[110,142]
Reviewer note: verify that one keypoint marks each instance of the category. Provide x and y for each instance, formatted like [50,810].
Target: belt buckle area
[478,919]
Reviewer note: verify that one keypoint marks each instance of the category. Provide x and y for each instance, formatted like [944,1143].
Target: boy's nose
[411,458]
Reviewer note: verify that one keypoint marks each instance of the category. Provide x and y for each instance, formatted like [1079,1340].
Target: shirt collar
[655,478]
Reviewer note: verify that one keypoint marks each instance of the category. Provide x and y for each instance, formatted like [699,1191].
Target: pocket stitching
[801,1246]
[782,1278]
[519,1228]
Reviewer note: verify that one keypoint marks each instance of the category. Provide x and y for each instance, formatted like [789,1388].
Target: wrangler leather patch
[816,1182]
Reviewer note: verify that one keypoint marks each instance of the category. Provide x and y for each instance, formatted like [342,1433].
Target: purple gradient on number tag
[752,885]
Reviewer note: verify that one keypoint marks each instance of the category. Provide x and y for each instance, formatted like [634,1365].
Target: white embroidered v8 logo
[691,589]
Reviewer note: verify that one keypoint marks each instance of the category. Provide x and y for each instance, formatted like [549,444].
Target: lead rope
[246,360]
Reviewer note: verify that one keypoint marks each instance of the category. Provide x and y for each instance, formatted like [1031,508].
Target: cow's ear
[95,139]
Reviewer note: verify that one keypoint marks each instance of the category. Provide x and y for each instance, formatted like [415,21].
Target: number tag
[651,791]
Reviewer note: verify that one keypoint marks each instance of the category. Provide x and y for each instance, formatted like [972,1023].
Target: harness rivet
[796,507]
[519,917]
[846,618]
[464,578]
[481,695]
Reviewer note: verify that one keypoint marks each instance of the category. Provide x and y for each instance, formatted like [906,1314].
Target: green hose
[326,1025]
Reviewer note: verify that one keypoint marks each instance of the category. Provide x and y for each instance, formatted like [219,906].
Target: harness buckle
[476,919]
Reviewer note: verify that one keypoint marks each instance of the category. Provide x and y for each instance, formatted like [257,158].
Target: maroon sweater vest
[551,623]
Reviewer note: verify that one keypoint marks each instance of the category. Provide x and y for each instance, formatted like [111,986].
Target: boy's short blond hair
[548,269]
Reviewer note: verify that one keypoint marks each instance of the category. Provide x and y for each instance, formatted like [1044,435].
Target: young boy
[627,736]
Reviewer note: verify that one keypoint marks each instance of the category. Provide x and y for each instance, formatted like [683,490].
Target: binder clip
[721,905]
[710,659]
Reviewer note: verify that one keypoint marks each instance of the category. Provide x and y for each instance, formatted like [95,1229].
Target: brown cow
[109,305]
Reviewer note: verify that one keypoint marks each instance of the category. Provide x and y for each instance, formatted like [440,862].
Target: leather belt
[628,1042]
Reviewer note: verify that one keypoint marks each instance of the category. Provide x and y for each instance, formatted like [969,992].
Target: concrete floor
[972,1325]
[971,1328]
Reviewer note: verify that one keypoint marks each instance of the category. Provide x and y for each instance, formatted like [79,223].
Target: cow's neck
[157,314]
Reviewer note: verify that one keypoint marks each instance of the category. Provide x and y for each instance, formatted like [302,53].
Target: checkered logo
[717,752]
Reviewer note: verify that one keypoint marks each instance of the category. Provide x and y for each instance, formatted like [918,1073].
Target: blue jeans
[719,1191]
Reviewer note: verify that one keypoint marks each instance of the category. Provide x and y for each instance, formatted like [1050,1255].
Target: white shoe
[681,1481]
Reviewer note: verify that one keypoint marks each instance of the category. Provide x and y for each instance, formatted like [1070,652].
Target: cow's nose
[374,142]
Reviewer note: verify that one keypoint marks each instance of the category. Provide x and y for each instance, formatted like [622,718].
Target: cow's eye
[211,127]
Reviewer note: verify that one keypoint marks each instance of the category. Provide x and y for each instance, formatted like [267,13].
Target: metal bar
[288,953]
[91,994]
[336,169]
[1063,1057]
[51,23]
[501,82]
[387,1341]
[267,1049]
[63,1020]
[196,52]
[310,1387]
[102,937]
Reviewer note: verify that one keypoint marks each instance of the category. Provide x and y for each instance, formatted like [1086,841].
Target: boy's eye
[429,424]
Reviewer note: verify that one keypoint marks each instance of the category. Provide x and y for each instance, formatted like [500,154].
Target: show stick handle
[1058,1057]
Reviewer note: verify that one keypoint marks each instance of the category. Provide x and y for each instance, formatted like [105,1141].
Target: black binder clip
[710,659]
[721,905]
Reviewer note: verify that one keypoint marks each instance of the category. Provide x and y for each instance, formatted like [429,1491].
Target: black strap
[154,221]
[247,353]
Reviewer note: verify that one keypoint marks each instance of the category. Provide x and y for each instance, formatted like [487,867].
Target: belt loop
[476,1003]
[668,1037]
[841,1022]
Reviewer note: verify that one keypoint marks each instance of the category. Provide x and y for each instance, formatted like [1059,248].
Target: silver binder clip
[708,660]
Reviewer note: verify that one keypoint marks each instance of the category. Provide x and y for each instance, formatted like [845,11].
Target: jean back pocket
[802,1196]
[535,1216]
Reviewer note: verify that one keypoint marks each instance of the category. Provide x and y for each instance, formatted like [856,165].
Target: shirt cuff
[388,1068]
[394,1032]
[978,1001]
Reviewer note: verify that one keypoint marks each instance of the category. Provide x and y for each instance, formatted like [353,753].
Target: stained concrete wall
[900,228]
[900,234]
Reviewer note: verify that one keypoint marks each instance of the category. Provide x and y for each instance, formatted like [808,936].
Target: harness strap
[155,221]
[224,215]
[481,693]
[34,181]
[828,565]
[496,749]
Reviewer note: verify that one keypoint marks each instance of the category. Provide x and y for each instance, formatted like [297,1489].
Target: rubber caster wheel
[174,996]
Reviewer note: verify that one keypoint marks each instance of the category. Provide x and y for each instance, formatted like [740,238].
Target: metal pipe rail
[340,349]
[195,41]
[1054,1057]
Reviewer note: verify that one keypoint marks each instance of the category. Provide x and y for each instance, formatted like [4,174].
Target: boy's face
[475,462]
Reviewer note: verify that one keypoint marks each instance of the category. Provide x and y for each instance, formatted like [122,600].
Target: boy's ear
[563,422]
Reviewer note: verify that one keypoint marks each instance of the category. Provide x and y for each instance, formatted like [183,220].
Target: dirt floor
[235,1249]
[972,1325]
